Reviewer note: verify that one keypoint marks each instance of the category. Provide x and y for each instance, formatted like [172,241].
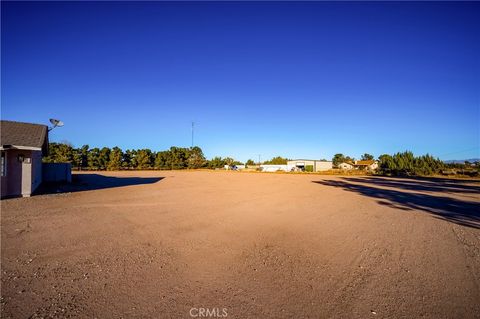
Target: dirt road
[243,245]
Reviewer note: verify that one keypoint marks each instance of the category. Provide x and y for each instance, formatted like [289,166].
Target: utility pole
[259,162]
[193,126]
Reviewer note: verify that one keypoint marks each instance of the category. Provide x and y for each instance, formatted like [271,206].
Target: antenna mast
[193,127]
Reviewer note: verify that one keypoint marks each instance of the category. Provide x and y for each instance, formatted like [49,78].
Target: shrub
[406,164]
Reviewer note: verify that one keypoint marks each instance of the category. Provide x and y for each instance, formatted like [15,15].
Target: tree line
[105,158]
[86,158]
[407,164]
[115,158]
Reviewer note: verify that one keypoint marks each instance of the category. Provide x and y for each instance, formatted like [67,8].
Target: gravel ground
[243,245]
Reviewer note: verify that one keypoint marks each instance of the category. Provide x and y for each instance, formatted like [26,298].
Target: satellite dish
[56,122]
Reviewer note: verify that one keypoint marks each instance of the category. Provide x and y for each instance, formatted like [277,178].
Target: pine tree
[143,159]
[115,160]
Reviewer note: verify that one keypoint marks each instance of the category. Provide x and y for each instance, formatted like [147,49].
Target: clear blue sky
[301,80]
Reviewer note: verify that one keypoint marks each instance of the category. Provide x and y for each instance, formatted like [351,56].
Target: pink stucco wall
[17,171]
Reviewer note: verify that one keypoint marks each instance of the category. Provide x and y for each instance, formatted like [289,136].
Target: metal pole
[193,123]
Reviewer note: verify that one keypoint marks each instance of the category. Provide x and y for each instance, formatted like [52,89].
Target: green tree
[93,158]
[278,160]
[216,162]
[65,153]
[250,162]
[406,164]
[338,159]
[115,160]
[59,153]
[178,157]
[84,156]
[50,158]
[196,159]
[143,159]
[367,157]
[77,158]
[104,157]
[229,161]
[162,160]
[386,165]
[129,160]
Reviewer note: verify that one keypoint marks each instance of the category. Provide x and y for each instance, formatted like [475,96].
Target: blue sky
[301,80]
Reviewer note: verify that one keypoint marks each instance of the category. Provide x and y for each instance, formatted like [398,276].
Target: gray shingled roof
[23,134]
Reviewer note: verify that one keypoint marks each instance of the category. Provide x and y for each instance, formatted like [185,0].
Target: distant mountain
[471,160]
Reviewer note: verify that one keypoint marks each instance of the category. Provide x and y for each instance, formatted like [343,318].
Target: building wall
[16,173]
[3,186]
[3,179]
[274,168]
[317,165]
[345,166]
[27,175]
[301,162]
[323,166]
[36,169]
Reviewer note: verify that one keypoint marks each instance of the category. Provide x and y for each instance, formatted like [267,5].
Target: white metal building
[305,164]
[275,168]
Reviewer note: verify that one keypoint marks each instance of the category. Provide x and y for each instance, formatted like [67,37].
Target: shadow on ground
[462,212]
[424,184]
[87,182]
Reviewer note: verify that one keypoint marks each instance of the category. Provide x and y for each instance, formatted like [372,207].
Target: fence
[57,172]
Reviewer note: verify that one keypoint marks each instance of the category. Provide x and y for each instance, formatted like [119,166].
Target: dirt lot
[243,245]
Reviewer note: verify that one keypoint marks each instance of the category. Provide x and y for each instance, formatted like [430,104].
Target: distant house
[370,165]
[22,147]
[345,166]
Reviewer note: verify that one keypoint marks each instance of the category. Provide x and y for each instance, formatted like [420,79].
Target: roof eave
[19,147]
